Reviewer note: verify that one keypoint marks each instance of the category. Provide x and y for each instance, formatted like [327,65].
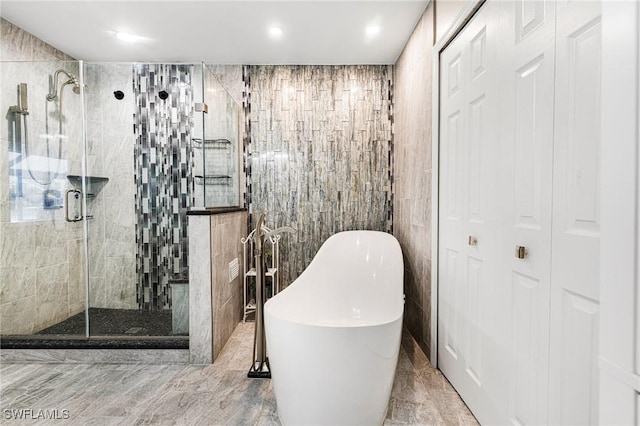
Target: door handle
[76,194]
[473,240]
[521,252]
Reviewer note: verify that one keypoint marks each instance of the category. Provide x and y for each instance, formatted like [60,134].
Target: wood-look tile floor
[217,394]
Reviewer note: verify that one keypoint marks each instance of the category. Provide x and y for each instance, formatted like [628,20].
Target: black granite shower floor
[115,322]
[109,329]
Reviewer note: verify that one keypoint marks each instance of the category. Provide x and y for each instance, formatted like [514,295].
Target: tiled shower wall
[112,249]
[164,180]
[412,198]
[320,153]
[40,272]
[230,77]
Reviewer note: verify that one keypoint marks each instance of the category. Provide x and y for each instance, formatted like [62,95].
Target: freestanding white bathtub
[333,335]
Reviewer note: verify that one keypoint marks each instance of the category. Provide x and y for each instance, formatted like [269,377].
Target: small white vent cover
[234,269]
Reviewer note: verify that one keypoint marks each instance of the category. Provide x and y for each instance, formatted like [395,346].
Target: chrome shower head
[76,88]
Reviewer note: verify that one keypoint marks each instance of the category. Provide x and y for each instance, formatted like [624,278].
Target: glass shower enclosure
[99,164]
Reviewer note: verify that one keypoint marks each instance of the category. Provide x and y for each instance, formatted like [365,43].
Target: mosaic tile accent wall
[164,182]
[319,155]
[246,141]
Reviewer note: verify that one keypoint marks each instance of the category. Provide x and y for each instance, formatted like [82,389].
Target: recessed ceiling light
[372,30]
[275,32]
[129,38]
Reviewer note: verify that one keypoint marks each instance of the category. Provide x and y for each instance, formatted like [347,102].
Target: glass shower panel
[140,123]
[219,177]
[42,279]
[111,198]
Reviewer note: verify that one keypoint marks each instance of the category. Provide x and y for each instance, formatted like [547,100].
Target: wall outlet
[234,269]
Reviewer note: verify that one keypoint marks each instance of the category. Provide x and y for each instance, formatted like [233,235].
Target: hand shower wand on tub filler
[260,366]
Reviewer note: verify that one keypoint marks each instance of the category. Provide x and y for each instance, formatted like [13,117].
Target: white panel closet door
[452,125]
[526,146]
[467,302]
[519,167]
[496,188]
[573,396]
[526,153]
[452,306]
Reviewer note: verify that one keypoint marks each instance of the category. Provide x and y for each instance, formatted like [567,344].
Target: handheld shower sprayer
[22,98]
[22,106]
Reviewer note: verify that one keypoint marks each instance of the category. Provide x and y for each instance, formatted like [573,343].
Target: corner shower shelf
[212,180]
[211,143]
[94,184]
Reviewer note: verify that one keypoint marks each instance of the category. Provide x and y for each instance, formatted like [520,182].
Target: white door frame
[459,22]
[619,350]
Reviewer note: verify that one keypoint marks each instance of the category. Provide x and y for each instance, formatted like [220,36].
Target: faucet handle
[277,231]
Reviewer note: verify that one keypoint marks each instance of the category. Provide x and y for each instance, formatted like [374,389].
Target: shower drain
[134,330]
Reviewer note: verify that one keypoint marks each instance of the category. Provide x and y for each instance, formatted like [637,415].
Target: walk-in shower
[94,190]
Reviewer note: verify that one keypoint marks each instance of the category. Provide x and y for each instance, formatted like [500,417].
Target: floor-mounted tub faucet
[260,366]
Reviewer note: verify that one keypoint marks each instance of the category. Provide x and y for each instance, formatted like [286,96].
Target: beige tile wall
[412,169]
[226,296]
[19,45]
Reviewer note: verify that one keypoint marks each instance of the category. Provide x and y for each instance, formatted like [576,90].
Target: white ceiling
[222,32]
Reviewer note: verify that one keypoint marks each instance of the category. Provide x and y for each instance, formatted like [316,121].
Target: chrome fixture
[71,79]
[260,366]
[75,195]
[201,107]
[521,252]
[51,96]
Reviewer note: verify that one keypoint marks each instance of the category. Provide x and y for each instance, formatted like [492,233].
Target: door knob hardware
[521,252]
[473,241]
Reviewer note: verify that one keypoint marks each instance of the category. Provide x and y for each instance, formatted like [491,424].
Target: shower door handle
[76,194]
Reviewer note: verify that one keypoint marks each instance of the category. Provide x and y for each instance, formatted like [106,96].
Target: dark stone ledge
[210,211]
[66,342]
